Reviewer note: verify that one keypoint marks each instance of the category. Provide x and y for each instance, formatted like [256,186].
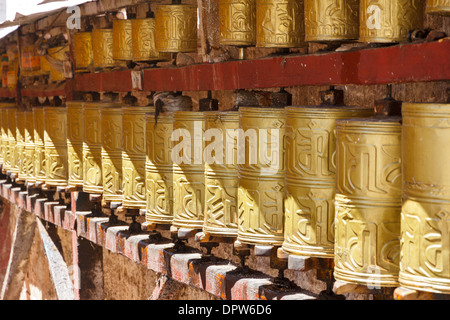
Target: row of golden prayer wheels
[371,192]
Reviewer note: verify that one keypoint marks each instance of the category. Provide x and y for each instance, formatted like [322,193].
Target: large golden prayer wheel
[261,192]
[159,168]
[176,28]
[221,174]
[237,22]
[10,162]
[441,7]
[56,57]
[280,23]
[368,201]
[134,156]
[102,46]
[55,142]
[425,222]
[28,160]
[112,146]
[4,130]
[387,21]
[311,177]
[188,170]
[20,145]
[143,41]
[39,146]
[82,44]
[75,135]
[122,42]
[331,20]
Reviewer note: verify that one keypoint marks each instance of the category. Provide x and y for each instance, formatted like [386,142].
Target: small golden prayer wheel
[84,56]
[221,174]
[440,7]
[28,160]
[237,22]
[55,142]
[311,177]
[56,57]
[4,131]
[331,20]
[39,151]
[122,42]
[280,23]
[143,41]
[112,147]
[159,168]
[75,135]
[262,191]
[425,220]
[102,46]
[176,28]
[387,21]
[134,156]
[188,170]
[20,145]
[368,201]
[10,163]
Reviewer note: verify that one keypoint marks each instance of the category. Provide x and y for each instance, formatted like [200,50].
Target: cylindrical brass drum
[56,57]
[331,20]
[75,135]
[221,173]
[10,163]
[55,141]
[82,44]
[112,146]
[176,28]
[39,146]
[425,252]
[20,145]
[122,42]
[387,21]
[134,156]
[4,131]
[159,168]
[441,7]
[368,201]
[143,41]
[188,170]
[261,166]
[237,22]
[280,23]
[102,46]
[28,160]
[311,177]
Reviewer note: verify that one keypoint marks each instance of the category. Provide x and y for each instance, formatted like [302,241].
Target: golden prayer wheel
[143,41]
[280,23]
[261,192]
[441,7]
[425,219]
[102,47]
[159,168]
[56,57]
[112,153]
[221,175]
[237,22]
[10,162]
[75,135]
[311,177]
[28,160]
[188,170]
[331,20]
[82,44]
[20,145]
[39,151]
[122,42]
[4,130]
[368,201]
[387,21]
[55,142]
[134,156]
[176,28]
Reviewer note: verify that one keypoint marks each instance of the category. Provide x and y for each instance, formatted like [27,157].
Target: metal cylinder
[261,192]
[237,22]
[20,145]
[425,218]
[28,160]
[55,142]
[280,23]
[122,42]
[134,156]
[176,28]
[10,163]
[39,146]
[331,20]
[221,174]
[159,168]
[75,135]
[56,57]
[82,44]
[143,41]
[102,46]
[4,131]
[188,170]
[311,177]
[387,21]
[112,153]
[440,7]
[368,201]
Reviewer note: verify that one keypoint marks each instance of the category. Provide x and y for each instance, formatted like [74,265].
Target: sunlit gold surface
[4,131]
[237,22]
[28,160]
[75,135]
[122,42]
[82,43]
[39,151]
[20,145]
[102,46]
[440,7]
[10,163]
[143,41]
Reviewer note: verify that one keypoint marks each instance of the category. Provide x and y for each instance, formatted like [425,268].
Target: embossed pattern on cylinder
[237,22]
[84,56]
[20,145]
[39,151]
[122,41]
[102,46]
[28,160]
[10,164]
[75,135]
[4,133]
[143,41]
[440,7]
